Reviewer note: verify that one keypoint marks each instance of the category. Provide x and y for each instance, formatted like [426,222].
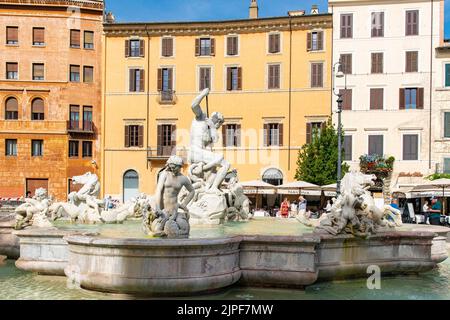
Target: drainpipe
[103,121]
[290,93]
[148,94]
[431,88]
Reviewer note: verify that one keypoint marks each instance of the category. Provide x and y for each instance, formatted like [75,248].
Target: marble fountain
[195,236]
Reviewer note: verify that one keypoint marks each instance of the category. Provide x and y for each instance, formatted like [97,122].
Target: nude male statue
[168,220]
[203,136]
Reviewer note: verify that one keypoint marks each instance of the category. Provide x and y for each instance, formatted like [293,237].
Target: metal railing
[86,126]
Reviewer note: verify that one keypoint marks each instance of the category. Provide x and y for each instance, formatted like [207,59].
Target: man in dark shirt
[435,212]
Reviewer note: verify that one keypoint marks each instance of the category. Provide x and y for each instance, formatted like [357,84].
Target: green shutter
[447,75]
[447,125]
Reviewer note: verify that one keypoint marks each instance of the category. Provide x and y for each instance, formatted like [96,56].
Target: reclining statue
[34,211]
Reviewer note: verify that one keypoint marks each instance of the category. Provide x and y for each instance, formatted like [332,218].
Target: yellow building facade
[270,78]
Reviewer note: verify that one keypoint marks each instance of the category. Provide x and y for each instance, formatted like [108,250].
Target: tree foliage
[317,161]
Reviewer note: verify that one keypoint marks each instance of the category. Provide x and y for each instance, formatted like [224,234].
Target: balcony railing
[167,97]
[80,127]
[164,152]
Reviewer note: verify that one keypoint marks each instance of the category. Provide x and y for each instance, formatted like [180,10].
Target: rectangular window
[87,149]
[205,47]
[75,38]
[11,109]
[38,36]
[377,62]
[346,95]
[232,46]
[167,47]
[134,48]
[446,165]
[313,130]
[37,148]
[274,76]
[205,78]
[447,125]
[88,74]
[447,75]
[88,124]
[412,61]
[231,134]
[377,24]
[134,136]
[166,139]
[38,71]
[12,35]
[316,75]
[74,122]
[348,145]
[410,147]
[12,71]
[376,145]
[346,26]
[137,80]
[234,78]
[274,43]
[315,41]
[346,63]
[11,147]
[273,134]
[411,98]
[73,149]
[89,40]
[376,99]
[165,84]
[74,73]
[412,23]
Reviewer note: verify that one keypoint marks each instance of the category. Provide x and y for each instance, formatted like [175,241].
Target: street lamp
[337,72]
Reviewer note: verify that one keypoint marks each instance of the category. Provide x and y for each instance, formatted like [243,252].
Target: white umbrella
[330,190]
[439,184]
[297,187]
[257,187]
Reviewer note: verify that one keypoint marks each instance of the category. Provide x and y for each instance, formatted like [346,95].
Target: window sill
[134,58]
[167,103]
[38,46]
[73,157]
[87,157]
[10,156]
[92,49]
[168,57]
[11,45]
[75,47]
[203,57]
[232,56]
[274,53]
[316,51]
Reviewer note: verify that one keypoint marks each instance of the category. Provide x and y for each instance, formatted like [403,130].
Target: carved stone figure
[239,203]
[354,211]
[34,211]
[133,208]
[166,216]
[83,205]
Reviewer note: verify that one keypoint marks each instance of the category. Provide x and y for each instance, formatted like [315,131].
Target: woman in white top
[425,207]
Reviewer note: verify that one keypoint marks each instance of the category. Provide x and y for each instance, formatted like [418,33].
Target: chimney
[314,9]
[109,18]
[253,10]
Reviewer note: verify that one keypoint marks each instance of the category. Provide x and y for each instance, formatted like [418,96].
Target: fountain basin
[9,243]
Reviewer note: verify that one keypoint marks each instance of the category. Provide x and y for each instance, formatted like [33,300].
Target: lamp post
[339,74]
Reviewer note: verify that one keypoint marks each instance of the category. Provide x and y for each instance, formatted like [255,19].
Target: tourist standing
[435,212]
[294,208]
[302,204]
[285,208]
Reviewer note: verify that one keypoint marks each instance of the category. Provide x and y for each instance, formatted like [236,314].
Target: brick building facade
[50,94]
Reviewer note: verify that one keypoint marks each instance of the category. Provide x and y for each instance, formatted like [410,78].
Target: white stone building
[388,54]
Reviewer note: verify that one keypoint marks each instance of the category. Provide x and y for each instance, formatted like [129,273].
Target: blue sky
[195,10]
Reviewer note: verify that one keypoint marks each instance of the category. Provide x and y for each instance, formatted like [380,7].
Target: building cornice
[307,22]
[96,5]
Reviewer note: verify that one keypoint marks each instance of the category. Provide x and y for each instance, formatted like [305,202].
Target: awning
[258,187]
[300,187]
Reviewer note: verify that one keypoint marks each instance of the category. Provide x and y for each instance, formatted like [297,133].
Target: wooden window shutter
[12,33]
[280,134]
[141,48]
[308,133]
[163,47]
[320,75]
[159,140]
[347,98]
[170,78]
[309,41]
[213,46]
[38,35]
[127,48]
[320,40]
[350,26]
[380,62]
[238,135]
[229,46]
[12,105]
[160,71]
[170,47]
[266,135]
[224,135]
[419,98]
[235,45]
[402,99]
[239,79]
[142,80]
[141,136]
[127,136]
[132,80]
[374,63]
[343,29]
[229,79]
[197,47]
[173,138]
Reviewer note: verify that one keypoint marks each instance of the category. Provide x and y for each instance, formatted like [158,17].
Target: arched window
[273,176]
[130,185]
[37,109]
[11,109]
